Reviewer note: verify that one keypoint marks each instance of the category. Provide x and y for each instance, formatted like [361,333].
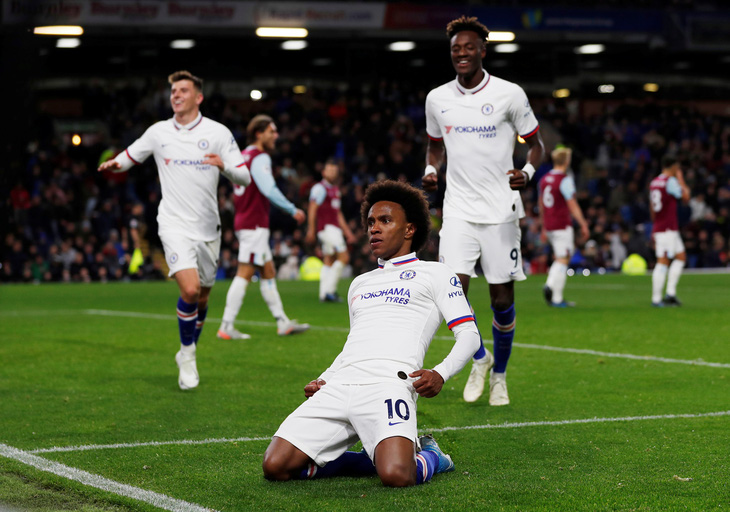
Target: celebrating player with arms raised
[475,119]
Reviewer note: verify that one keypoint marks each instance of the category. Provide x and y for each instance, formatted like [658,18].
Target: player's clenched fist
[428,383]
[430,182]
[517,179]
[314,386]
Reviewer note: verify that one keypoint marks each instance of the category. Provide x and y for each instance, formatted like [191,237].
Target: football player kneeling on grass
[369,392]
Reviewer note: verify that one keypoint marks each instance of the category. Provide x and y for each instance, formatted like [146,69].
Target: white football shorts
[562,241]
[253,246]
[182,253]
[338,415]
[668,244]
[496,246]
[332,240]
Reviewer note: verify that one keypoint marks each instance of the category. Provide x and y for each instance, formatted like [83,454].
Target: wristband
[530,170]
[430,169]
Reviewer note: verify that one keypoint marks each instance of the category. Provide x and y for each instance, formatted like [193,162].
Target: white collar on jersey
[190,125]
[476,89]
[400,260]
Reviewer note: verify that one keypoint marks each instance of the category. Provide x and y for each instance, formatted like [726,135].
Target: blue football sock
[347,464]
[503,330]
[202,313]
[187,316]
[427,463]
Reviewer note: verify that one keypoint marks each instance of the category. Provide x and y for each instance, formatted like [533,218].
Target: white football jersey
[189,204]
[395,311]
[479,127]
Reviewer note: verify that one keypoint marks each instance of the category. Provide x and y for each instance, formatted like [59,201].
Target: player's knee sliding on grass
[370,391]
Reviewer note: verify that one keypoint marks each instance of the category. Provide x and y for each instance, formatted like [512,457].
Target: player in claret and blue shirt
[370,391]
[475,120]
[664,192]
[191,152]
[558,208]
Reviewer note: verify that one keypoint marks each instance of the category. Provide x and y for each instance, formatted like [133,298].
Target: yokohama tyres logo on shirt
[484,132]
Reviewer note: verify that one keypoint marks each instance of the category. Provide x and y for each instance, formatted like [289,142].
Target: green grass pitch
[615,405]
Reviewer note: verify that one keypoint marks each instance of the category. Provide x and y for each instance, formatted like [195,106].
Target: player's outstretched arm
[428,383]
[314,386]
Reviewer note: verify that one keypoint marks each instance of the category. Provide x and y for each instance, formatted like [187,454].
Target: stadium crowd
[68,223]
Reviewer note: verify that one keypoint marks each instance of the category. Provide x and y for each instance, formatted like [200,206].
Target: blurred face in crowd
[467,52]
[185,98]
[330,172]
[267,138]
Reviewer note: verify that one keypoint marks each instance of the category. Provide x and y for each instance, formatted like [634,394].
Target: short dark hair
[668,161]
[411,199]
[257,125]
[186,75]
[464,23]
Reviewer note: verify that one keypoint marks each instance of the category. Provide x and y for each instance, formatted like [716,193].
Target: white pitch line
[153,316]
[158,500]
[582,421]
[696,362]
[444,429]
[82,448]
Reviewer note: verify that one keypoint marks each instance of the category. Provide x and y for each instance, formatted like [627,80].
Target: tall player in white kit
[369,392]
[191,152]
[476,119]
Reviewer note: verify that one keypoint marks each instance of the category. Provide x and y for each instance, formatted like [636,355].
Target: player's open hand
[517,179]
[314,386]
[428,383]
[110,165]
[430,183]
[213,159]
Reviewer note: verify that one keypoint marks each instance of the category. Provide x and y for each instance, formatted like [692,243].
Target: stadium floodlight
[561,93]
[402,46]
[651,87]
[182,44]
[590,49]
[294,44]
[282,32]
[606,88]
[506,48]
[68,42]
[501,37]
[256,95]
[59,30]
